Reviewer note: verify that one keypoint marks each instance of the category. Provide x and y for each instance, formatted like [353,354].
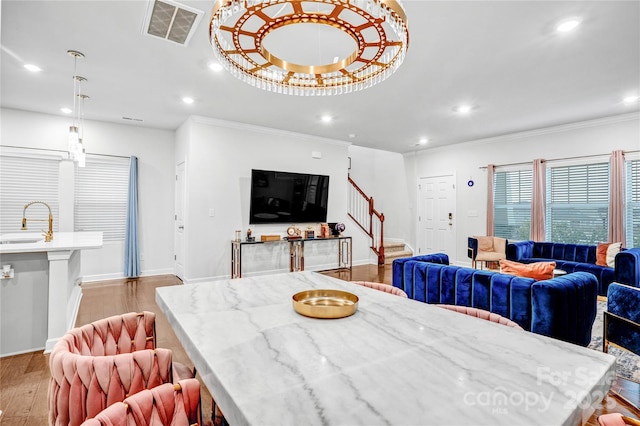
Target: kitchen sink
[19,238]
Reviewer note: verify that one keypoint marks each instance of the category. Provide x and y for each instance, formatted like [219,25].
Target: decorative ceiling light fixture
[310,48]
[74,136]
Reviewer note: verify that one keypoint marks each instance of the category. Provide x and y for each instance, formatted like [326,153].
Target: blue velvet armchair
[622,318]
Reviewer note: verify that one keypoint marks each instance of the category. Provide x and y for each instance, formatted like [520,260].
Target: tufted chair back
[116,335]
[482,314]
[382,287]
[101,363]
[165,405]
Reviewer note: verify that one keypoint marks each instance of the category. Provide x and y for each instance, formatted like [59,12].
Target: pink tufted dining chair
[101,363]
[482,314]
[164,405]
[616,419]
[382,287]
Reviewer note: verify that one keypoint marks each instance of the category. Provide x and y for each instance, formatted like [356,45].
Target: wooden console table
[296,253]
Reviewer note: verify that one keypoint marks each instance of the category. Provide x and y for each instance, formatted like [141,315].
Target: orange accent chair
[165,405]
[482,314]
[382,287]
[101,363]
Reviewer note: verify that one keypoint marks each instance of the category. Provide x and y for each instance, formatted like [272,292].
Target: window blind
[24,179]
[512,204]
[578,203]
[633,203]
[101,197]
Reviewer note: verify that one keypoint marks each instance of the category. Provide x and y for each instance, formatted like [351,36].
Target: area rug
[628,364]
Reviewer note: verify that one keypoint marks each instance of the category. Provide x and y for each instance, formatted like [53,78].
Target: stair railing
[360,208]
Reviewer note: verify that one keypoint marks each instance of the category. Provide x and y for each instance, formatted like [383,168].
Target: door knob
[180,227]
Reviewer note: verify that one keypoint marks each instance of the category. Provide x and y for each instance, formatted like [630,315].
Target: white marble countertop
[395,361]
[61,241]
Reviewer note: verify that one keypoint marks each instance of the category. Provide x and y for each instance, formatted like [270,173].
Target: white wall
[219,157]
[597,137]
[155,151]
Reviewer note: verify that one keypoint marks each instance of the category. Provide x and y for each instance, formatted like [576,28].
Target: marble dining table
[395,361]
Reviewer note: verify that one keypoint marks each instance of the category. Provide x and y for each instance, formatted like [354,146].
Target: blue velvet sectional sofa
[563,307]
[577,257]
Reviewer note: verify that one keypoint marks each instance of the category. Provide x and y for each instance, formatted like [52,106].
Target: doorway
[436,215]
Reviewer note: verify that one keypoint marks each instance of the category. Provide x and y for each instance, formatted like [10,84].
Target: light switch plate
[212,212]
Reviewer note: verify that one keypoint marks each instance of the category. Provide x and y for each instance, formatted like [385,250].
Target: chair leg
[217,418]
[605,341]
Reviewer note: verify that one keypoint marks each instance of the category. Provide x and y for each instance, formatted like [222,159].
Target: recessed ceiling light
[352,135]
[423,141]
[630,100]
[326,118]
[216,67]
[33,68]
[66,110]
[463,109]
[568,25]
[187,100]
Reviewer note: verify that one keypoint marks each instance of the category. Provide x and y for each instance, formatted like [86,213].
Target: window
[24,179]
[578,203]
[633,203]
[512,204]
[101,197]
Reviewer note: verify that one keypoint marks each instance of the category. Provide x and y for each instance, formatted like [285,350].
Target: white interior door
[179,221]
[436,215]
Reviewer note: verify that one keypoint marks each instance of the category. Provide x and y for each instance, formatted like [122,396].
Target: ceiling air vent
[171,21]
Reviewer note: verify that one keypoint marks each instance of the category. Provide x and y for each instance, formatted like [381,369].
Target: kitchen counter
[21,242]
[41,296]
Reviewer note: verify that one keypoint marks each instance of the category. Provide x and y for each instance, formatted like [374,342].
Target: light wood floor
[24,378]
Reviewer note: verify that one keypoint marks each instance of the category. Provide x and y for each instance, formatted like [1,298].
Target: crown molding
[198,119]
[620,118]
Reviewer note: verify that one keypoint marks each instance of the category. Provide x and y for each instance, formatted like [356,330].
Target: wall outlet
[212,212]
[141,256]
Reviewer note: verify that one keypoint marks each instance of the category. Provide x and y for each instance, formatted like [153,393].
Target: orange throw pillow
[601,254]
[537,271]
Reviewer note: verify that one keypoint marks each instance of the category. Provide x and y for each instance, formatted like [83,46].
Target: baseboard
[26,351]
[314,268]
[119,276]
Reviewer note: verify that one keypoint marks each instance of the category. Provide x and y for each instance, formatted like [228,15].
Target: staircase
[394,251]
[361,208]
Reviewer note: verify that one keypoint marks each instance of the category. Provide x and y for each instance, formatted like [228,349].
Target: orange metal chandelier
[374,33]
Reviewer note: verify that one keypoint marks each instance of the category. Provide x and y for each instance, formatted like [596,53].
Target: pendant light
[74,132]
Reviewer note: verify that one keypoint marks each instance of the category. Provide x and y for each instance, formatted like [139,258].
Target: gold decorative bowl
[325,303]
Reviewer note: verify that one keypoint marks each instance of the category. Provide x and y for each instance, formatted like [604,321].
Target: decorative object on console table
[250,239]
[309,233]
[336,228]
[237,235]
[293,233]
[324,230]
[268,237]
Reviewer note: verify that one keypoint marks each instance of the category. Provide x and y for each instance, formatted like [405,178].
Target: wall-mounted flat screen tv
[283,197]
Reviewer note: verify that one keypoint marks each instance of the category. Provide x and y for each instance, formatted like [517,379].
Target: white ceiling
[502,56]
